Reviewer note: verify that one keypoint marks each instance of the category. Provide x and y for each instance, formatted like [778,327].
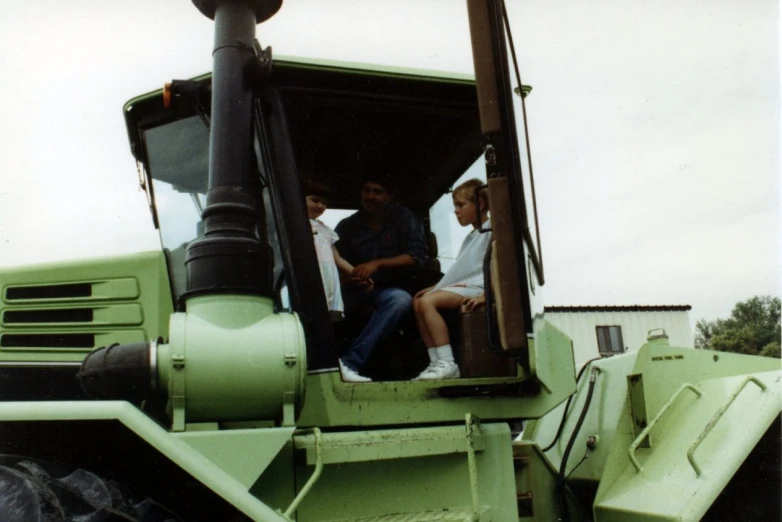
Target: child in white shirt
[462,284]
[329,260]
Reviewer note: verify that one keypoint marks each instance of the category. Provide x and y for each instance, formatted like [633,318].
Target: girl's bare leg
[429,318]
[422,329]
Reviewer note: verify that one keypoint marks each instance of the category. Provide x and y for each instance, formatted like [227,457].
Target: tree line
[753,328]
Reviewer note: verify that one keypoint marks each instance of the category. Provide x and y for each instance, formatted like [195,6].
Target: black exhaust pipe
[230,258]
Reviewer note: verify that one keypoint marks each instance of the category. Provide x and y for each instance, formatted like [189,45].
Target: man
[382,240]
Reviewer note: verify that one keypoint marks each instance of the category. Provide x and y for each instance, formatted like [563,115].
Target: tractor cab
[328,125]
[225,165]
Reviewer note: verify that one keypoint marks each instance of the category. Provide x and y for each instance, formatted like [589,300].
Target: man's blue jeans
[392,305]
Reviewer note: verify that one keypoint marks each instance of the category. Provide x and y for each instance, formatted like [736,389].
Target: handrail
[315,475]
[717,416]
[645,432]
[471,422]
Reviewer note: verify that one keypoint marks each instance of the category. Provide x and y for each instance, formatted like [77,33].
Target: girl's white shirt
[465,277]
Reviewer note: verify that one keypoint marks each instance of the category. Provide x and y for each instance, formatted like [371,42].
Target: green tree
[752,328]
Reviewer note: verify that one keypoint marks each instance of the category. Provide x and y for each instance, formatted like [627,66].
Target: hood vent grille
[68,291]
[58,340]
[70,317]
[73,315]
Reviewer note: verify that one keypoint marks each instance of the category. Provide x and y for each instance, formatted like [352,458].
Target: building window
[609,339]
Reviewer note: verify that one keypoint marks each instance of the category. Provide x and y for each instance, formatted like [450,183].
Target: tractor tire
[36,491]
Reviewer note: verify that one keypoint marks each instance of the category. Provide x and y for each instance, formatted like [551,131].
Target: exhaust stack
[230,258]
[228,357]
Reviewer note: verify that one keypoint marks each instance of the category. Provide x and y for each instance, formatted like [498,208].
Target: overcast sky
[655,128]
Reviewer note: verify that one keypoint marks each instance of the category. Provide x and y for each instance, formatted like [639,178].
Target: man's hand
[365,284]
[471,303]
[359,283]
[365,270]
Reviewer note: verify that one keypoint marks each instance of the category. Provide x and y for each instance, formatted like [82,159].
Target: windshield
[179,168]
[178,154]
[178,162]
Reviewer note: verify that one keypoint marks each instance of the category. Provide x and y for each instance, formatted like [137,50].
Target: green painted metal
[366,69]
[178,451]
[536,487]
[472,425]
[702,410]
[717,416]
[414,486]
[331,402]
[664,369]
[102,315]
[129,295]
[316,434]
[384,444]
[668,474]
[440,515]
[242,453]
[648,429]
[637,402]
[550,365]
[230,358]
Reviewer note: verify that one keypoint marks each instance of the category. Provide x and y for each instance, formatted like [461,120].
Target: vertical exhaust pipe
[228,356]
[230,258]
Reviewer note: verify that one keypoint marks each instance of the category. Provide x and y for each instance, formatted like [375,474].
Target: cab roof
[345,121]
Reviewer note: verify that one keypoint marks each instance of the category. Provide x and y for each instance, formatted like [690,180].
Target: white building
[598,330]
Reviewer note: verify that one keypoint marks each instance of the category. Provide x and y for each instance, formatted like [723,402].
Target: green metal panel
[331,402]
[387,444]
[549,365]
[701,441]
[129,296]
[608,406]
[243,454]
[664,370]
[100,337]
[230,358]
[276,486]
[422,484]
[114,288]
[653,403]
[102,315]
[439,515]
[178,451]
[536,483]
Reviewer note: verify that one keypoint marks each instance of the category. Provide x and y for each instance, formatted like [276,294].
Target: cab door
[514,261]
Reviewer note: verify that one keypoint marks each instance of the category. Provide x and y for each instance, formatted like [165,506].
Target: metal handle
[645,432]
[471,424]
[717,417]
[315,475]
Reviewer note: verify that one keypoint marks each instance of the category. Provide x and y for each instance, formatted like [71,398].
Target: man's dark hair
[384,180]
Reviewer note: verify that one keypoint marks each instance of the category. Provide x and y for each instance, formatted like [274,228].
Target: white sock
[444,353]
[432,354]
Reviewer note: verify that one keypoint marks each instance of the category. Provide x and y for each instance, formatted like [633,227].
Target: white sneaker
[428,369]
[350,375]
[440,370]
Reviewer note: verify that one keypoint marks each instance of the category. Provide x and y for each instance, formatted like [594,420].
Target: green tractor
[200,382]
